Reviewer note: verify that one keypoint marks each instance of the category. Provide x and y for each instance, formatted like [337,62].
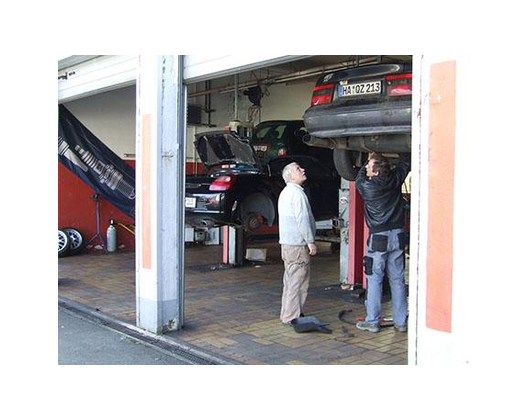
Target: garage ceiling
[102,73]
[324,62]
[302,69]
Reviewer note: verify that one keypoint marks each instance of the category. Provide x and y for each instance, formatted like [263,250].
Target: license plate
[359,89]
[260,150]
[191,202]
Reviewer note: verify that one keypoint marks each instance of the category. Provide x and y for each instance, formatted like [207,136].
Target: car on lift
[361,109]
[242,190]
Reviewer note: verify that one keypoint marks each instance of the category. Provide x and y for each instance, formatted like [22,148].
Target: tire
[252,222]
[64,244]
[255,210]
[77,241]
[344,161]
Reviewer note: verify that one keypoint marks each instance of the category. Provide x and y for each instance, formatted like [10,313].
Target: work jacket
[383,201]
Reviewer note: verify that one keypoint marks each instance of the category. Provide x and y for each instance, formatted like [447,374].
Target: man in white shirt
[297,239]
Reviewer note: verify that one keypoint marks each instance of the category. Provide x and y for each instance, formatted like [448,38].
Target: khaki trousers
[296,262]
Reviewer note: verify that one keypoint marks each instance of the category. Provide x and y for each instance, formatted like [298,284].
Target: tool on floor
[385,321]
[345,333]
[310,323]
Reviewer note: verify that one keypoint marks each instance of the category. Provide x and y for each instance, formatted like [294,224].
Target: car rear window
[270,133]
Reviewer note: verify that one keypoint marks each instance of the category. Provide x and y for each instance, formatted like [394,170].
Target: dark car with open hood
[242,189]
[361,109]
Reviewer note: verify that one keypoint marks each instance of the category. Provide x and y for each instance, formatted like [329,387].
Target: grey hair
[286,172]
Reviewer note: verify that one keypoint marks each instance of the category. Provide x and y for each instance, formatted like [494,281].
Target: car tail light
[282,151]
[223,183]
[322,94]
[399,84]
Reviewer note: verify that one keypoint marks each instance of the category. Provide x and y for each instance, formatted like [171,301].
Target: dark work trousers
[385,253]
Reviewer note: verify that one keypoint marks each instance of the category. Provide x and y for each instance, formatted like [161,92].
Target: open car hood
[225,148]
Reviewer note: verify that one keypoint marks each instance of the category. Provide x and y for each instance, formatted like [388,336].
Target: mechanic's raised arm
[403,166]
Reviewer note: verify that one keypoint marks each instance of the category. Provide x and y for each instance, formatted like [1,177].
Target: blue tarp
[98,166]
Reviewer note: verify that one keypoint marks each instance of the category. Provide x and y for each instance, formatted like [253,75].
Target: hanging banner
[98,166]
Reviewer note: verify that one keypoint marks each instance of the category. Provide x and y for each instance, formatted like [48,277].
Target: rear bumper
[206,220]
[359,120]
[211,209]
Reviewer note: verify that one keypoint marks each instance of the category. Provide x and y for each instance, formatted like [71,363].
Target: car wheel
[344,161]
[76,240]
[252,222]
[64,244]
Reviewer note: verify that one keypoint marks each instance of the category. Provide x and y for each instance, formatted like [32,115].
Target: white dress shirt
[296,222]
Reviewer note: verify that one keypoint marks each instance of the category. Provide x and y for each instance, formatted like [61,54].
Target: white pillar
[160,110]
[440,243]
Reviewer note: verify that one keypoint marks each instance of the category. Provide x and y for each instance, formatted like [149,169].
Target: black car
[241,190]
[361,109]
[277,138]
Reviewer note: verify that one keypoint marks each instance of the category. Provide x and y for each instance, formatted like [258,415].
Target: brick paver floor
[234,312]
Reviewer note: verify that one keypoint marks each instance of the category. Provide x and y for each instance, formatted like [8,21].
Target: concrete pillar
[160,179]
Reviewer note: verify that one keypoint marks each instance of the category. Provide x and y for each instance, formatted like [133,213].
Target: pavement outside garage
[234,312]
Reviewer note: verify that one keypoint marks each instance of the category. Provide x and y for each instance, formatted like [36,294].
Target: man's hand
[312,249]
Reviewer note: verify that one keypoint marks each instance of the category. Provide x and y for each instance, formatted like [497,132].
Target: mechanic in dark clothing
[380,188]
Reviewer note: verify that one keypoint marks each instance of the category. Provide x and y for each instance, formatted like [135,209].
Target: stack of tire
[71,242]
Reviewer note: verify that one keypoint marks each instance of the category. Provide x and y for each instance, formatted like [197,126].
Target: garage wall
[77,209]
[283,102]
[288,101]
[111,117]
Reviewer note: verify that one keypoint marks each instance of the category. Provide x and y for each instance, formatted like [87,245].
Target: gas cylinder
[111,237]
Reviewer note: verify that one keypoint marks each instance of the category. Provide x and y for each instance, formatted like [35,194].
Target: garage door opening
[238,300]
[232,306]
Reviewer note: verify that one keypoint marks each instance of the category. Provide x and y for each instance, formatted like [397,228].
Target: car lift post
[353,236]
[357,234]
[233,245]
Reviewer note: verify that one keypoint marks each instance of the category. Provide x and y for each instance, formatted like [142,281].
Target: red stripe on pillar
[441,196]
[146,191]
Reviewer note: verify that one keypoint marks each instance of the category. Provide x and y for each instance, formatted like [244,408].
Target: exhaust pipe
[207,223]
[319,142]
[395,143]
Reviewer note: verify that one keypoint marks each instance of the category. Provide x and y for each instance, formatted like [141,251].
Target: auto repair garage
[218,289]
